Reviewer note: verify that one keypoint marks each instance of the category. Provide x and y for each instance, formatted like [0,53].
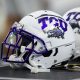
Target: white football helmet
[72,17]
[39,41]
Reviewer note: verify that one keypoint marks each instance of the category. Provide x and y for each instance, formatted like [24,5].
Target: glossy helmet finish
[73,18]
[41,39]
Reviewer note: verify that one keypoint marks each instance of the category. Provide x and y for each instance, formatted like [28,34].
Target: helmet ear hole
[48,53]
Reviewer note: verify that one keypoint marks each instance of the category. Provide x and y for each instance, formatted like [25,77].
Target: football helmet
[73,18]
[39,41]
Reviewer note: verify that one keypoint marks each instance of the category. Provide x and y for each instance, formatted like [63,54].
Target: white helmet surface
[73,18]
[41,39]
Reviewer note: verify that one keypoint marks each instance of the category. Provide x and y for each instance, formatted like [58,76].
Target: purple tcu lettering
[73,15]
[58,22]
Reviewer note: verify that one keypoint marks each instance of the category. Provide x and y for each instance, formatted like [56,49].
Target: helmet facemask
[21,44]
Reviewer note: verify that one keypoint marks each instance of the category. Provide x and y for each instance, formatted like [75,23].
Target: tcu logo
[73,15]
[57,22]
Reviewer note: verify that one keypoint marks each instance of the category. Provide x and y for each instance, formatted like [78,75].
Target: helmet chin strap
[33,66]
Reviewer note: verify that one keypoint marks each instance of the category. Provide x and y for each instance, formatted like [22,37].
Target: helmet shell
[31,24]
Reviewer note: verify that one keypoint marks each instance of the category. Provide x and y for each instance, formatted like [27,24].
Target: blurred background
[14,10]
